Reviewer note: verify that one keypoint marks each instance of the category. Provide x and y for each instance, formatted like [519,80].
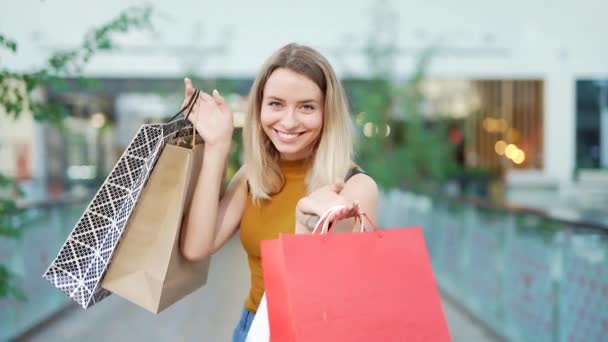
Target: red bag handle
[336,213]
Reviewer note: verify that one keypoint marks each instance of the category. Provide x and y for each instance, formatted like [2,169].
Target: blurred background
[485,123]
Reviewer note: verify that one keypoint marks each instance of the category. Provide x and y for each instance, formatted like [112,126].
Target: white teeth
[287,135]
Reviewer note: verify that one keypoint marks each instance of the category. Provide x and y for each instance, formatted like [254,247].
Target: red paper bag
[368,286]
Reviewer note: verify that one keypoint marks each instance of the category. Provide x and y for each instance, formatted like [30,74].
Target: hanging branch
[16,97]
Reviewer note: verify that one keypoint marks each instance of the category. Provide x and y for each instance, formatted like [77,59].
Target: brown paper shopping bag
[148,268]
[83,259]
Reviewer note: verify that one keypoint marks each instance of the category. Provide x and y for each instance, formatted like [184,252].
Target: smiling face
[292,113]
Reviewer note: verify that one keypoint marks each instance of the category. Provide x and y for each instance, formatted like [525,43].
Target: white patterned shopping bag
[84,257]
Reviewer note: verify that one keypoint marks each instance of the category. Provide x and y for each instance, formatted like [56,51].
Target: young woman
[298,162]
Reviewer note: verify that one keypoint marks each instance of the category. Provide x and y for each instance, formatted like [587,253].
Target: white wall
[557,41]
[534,36]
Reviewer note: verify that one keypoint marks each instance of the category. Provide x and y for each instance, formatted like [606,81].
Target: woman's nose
[289,120]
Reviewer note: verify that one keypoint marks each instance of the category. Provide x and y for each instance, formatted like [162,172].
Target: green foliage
[8,43]
[16,87]
[8,288]
[417,153]
[8,211]
[16,97]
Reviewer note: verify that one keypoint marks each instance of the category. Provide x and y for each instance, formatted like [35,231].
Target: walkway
[208,315]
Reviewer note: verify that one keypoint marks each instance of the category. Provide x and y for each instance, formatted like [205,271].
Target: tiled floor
[207,315]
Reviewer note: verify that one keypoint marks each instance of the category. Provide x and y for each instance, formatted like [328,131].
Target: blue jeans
[242,328]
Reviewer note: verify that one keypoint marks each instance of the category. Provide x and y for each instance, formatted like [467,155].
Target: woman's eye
[274,104]
[308,107]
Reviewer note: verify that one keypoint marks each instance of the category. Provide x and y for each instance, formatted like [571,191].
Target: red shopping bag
[368,286]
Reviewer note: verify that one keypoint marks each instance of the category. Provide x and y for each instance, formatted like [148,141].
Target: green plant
[400,146]
[16,89]
[9,213]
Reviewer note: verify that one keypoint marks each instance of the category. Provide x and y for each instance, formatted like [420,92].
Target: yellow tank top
[266,220]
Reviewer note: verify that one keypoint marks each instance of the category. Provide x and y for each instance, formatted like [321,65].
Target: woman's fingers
[221,103]
[188,87]
[203,103]
[219,99]
[188,91]
[321,199]
[304,217]
[349,210]
[309,221]
[338,186]
[206,97]
[215,98]
[308,206]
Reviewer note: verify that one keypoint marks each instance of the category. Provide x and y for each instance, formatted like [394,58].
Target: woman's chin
[292,152]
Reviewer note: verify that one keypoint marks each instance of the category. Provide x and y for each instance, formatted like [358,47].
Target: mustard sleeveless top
[268,219]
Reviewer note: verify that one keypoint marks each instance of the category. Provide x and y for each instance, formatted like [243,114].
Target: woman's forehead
[288,85]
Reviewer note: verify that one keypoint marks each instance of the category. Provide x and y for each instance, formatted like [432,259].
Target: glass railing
[47,224]
[525,275]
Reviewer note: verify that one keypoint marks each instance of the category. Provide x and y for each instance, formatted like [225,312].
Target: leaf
[8,43]
[10,232]
[70,62]
[6,181]
[7,206]
[8,288]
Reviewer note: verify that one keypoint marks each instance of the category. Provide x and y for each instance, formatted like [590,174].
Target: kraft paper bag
[83,259]
[148,268]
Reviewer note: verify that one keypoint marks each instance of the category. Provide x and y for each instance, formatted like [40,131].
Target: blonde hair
[333,151]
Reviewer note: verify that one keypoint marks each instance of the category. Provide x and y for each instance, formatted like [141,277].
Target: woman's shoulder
[353,171]
[357,177]
[360,186]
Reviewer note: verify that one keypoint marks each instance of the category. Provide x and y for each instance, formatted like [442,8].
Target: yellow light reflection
[489,124]
[501,125]
[521,156]
[493,125]
[509,150]
[499,147]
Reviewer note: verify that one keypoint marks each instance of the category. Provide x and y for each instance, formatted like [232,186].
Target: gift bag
[367,286]
[83,259]
[148,268]
[259,331]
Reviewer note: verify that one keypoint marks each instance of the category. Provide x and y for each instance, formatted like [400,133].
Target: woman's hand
[310,208]
[211,117]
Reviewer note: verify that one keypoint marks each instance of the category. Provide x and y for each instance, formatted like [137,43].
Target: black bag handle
[189,106]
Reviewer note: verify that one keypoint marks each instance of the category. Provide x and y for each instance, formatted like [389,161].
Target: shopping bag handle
[189,106]
[331,216]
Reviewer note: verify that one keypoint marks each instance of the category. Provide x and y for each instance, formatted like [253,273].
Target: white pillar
[560,127]
[603,100]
